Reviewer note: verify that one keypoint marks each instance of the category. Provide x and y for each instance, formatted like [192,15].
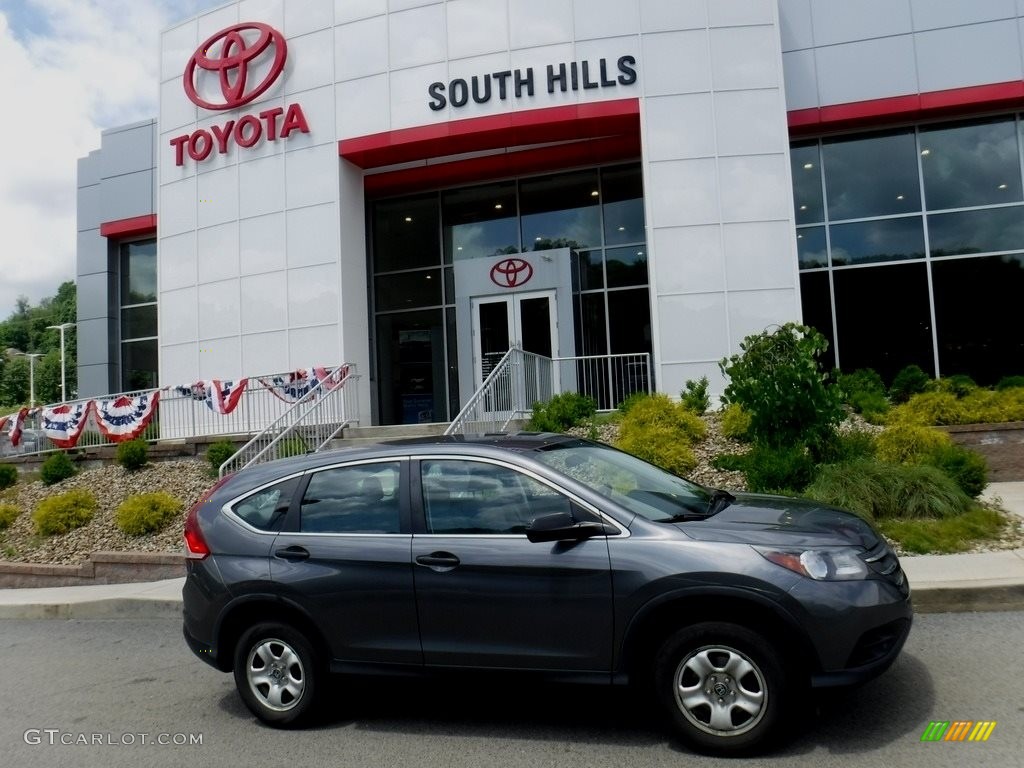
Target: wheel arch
[254,609]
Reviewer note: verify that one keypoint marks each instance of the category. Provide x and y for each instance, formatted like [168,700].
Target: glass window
[405,233]
[453,363]
[811,247]
[591,338]
[626,266]
[883,319]
[408,290]
[623,198]
[462,497]
[480,221]
[138,272]
[267,509]
[138,322]
[589,269]
[807,200]
[139,365]
[561,211]
[871,176]
[629,320]
[982,231]
[971,164]
[978,317]
[881,240]
[816,301]
[355,499]
[410,356]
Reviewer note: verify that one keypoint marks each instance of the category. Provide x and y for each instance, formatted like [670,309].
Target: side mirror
[560,526]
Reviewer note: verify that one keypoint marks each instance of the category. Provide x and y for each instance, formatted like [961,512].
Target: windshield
[634,484]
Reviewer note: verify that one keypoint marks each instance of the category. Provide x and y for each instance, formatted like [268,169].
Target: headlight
[840,564]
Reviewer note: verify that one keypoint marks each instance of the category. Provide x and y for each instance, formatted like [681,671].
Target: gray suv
[536,552]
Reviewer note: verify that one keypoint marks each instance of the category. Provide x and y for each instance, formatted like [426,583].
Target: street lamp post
[63,385]
[12,352]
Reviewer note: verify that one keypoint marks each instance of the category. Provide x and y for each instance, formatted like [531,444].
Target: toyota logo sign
[229,55]
[511,273]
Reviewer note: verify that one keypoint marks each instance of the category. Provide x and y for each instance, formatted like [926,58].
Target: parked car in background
[536,552]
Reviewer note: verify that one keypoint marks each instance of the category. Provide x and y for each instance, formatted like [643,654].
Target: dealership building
[412,186]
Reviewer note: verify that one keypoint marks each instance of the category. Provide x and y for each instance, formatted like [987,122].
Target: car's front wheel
[723,688]
[277,673]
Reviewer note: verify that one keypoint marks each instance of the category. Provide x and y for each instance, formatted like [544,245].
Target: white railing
[519,380]
[609,379]
[178,417]
[307,426]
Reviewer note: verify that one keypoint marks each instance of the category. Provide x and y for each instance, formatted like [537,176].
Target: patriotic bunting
[63,424]
[330,378]
[3,423]
[16,425]
[125,418]
[220,396]
[292,387]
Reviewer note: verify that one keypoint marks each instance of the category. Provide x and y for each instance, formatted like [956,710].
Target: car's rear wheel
[723,688]
[277,673]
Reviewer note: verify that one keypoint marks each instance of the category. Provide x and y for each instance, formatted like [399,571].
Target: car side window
[363,498]
[267,508]
[462,496]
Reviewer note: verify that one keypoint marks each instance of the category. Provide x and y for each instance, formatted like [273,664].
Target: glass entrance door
[500,322]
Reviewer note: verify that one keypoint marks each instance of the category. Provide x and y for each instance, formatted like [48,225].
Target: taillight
[196,547]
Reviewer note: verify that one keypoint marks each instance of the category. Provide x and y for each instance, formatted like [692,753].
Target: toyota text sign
[229,70]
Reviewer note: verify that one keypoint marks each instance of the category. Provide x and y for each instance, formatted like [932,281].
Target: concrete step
[395,431]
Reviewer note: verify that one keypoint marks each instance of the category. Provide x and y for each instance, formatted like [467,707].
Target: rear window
[267,508]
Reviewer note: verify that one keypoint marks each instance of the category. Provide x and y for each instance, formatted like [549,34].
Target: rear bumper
[204,651]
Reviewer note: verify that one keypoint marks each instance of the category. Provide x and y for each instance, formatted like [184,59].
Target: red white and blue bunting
[292,387]
[64,424]
[17,422]
[220,396]
[331,378]
[125,418]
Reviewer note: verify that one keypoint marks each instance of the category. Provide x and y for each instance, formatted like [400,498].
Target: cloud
[69,70]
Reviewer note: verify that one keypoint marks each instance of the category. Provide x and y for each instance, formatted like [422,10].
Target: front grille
[877,643]
[883,561]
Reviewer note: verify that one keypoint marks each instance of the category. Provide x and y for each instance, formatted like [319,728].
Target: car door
[344,557]
[486,595]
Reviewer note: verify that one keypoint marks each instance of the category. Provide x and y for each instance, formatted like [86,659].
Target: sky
[68,70]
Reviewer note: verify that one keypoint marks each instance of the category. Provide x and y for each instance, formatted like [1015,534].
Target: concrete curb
[957,598]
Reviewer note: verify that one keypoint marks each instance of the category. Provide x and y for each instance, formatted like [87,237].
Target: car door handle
[292,553]
[438,561]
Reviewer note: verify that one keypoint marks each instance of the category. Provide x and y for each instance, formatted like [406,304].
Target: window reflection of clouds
[882,240]
[969,165]
[807,199]
[981,231]
[871,176]
[811,247]
[491,238]
[573,228]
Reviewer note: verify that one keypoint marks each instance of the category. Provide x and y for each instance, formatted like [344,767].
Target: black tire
[723,687]
[284,695]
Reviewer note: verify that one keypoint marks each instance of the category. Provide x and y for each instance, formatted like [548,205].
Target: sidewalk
[987,581]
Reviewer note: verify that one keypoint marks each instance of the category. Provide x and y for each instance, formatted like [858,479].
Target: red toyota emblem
[229,55]
[511,273]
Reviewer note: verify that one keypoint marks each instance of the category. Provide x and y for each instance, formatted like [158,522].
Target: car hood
[782,521]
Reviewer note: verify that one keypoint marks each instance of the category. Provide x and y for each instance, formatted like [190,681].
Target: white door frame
[513,303]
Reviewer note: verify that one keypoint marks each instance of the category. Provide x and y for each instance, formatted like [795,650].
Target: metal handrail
[316,417]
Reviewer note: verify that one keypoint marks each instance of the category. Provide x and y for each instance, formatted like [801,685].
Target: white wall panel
[539,22]
[753,311]
[310,62]
[217,253]
[676,62]
[973,55]
[679,127]
[801,78]
[265,352]
[689,259]
[755,188]
[670,15]
[218,309]
[261,186]
[269,11]
[177,259]
[842,22]
[176,46]
[178,316]
[319,109]
[739,13]
[476,27]
[177,207]
[750,122]
[744,57]
[220,358]
[872,69]
[264,302]
[314,345]
[694,327]
[307,16]
[217,194]
[361,49]
[361,107]
[313,235]
[795,24]
[313,296]
[417,37]
[933,14]
[179,363]
[350,10]
[683,192]
[262,244]
[595,19]
[751,255]
[409,98]
[311,175]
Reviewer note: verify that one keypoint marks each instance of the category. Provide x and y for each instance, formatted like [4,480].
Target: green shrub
[930,408]
[694,396]
[879,490]
[951,534]
[735,422]
[846,446]
[873,406]
[958,385]
[907,443]
[146,512]
[769,469]
[219,452]
[1009,382]
[8,512]
[779,382]
[967,468]
[133,454]
[861,380]
[659,411]
[291,446]
[562,412]
[56,468]
[729,462]
[659,444]
[632,400]
[60,514]
[8,476]
[909,382]
[984,406]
